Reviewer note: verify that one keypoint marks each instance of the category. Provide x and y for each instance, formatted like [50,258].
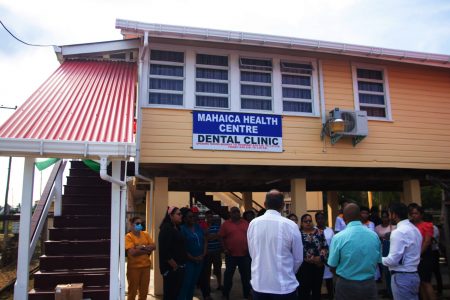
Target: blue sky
[400,24]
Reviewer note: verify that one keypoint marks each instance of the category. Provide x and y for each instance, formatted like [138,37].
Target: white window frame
[385,82]
[212,67]
[271,84]
[167,63]
[294,86]
[234,76]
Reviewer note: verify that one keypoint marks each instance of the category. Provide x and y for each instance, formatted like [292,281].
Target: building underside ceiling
[223,178]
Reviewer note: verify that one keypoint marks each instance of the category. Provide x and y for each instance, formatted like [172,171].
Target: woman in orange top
[139,245]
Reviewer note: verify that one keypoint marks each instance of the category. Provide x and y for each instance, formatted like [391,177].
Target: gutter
[63,149]
[261,40]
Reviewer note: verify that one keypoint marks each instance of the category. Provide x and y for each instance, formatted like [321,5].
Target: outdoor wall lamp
[336,122]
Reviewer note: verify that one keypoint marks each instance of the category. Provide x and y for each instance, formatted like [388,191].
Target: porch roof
[84,109]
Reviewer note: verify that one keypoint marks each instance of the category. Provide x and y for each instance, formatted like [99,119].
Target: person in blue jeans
[233,233]
[195,243]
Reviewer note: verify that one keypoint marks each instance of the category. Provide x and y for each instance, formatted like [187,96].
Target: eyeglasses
[307,221]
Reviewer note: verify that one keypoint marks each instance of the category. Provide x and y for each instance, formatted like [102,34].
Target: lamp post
[6,207]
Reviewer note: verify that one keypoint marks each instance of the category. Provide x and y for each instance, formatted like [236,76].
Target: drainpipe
[322,93]
[104,175]
[143,91]
[144,50]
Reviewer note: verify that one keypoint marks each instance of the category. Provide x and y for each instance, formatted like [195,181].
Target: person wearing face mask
[138,245]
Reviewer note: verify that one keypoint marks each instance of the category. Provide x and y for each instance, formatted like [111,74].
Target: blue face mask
[138,227]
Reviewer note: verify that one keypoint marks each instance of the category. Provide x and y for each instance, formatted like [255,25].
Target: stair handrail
[41,211]
[253,201]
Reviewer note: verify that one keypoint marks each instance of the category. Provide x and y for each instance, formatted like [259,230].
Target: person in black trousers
[172,253]
[315,253]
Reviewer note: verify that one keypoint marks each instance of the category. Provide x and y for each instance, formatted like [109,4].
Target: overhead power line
[23,42]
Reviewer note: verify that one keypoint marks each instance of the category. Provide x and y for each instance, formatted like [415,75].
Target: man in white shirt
[339,224]
[404,255]
[328,233]
[276,249]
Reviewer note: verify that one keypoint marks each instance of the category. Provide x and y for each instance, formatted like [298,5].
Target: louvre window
[256,83]
[166,82]
[371,92]
[211,81]
[296,82]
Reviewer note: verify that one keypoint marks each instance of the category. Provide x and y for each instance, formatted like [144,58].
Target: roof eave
[64,51]
[66,149]
[233,37]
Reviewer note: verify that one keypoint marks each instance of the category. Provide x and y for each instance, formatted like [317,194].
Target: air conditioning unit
[354,122]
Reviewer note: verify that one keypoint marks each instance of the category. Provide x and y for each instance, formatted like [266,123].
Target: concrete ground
[236,292]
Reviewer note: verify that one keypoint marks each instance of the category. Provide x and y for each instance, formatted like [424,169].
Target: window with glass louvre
[166,82]
[296,82]
[211,81]
[371,92]
[256,83]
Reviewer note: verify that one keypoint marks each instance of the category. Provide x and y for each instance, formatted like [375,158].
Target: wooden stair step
[83,209]
[87,190]
[93,293]
[76,262]
[77,247]
[89,278]
[83,199]
[87,180]
[82,221]
[84,233]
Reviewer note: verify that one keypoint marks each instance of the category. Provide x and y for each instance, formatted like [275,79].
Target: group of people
[189,249]
[280,258]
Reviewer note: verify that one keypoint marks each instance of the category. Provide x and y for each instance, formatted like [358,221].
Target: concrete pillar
[247,197]
[411,191]
[332,207]
[369,199]
[298,196]
[161,201]
[314,201]
[23,268]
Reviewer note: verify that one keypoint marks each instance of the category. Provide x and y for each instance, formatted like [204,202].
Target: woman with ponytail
[172,253]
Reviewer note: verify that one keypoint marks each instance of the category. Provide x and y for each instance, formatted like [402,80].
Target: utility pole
[6,207]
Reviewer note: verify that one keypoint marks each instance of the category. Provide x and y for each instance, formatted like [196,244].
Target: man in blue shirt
[354,255]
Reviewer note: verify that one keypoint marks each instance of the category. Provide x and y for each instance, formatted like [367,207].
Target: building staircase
[213,205]
[78,249]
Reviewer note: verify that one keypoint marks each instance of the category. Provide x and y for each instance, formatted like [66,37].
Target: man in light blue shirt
[354,255]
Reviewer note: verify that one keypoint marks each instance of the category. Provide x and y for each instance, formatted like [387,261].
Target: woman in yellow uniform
[139,246]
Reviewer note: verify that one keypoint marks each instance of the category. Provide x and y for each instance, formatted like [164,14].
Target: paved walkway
[236,292]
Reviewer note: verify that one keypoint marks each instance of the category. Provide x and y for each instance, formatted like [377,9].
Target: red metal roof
[81,101]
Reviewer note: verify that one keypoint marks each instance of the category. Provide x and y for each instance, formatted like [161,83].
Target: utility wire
[23,42]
